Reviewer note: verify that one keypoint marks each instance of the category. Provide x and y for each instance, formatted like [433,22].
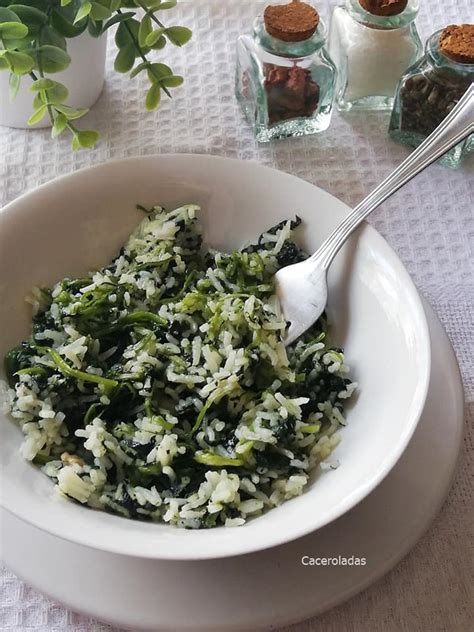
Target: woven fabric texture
[430,224]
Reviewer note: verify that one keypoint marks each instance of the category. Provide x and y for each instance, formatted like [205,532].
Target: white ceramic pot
[84,78]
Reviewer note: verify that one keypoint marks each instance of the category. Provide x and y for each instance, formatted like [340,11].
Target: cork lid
[384,7]
[293,22]
[457,43]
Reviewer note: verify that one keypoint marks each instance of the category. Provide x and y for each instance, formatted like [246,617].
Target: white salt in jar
[372,43]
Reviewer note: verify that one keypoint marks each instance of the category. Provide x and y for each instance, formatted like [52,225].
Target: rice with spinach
[159,388]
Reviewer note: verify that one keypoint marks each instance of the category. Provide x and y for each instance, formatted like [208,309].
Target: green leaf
[144,30]
[4,64]
[153,97]
[50,37]
[170,4]
[158,71]
[57,94]
[171,82]
[60,124]
[151,4]
[94,28]
[42,84]
[14,85]
[125,59]
[13,30]
[51,59]
[100,12]
[65,27]
[83,12]
[138,69]
[120,17]
[71,113]
[154,36]
[38,115]
[6,15]
[30,16]
[86,139]
[20,45]
[159,44]
[37,4]
[20,63]
[122,36]
[178,35]
[38,100]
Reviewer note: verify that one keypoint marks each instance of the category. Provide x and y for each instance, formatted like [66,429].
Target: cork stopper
[384,7]
[293,22]
[457,43]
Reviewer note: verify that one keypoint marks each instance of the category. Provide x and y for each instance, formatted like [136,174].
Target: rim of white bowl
[275,538]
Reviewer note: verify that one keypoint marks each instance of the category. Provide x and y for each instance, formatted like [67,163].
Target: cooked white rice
[159,387]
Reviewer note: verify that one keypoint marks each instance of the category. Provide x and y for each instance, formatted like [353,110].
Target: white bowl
[78,222]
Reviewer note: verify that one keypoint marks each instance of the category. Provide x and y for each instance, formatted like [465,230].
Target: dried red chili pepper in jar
[285,77]
[291,92]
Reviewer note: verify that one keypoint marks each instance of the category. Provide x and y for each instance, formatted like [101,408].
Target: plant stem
[45,100]
[72,128]
[40,68]
[141,53]
[53,112]
[151,14]
[34,77]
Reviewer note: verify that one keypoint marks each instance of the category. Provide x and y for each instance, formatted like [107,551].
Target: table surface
[430,224]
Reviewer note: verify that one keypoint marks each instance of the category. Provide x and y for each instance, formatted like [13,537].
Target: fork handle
[457,126]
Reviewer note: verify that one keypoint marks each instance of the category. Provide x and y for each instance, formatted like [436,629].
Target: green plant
[33,41]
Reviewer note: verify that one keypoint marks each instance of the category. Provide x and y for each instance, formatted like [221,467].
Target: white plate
[79,221]
[271,588]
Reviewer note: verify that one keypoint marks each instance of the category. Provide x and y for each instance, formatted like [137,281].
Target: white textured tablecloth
[430,224]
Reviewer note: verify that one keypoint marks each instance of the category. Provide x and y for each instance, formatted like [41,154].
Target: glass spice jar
[372,43]
[432,87]
[284,77]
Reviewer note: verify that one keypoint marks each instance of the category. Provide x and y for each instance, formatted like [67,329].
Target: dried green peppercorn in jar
[432,87]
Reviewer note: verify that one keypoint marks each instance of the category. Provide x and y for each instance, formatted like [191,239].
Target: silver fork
[302,287]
